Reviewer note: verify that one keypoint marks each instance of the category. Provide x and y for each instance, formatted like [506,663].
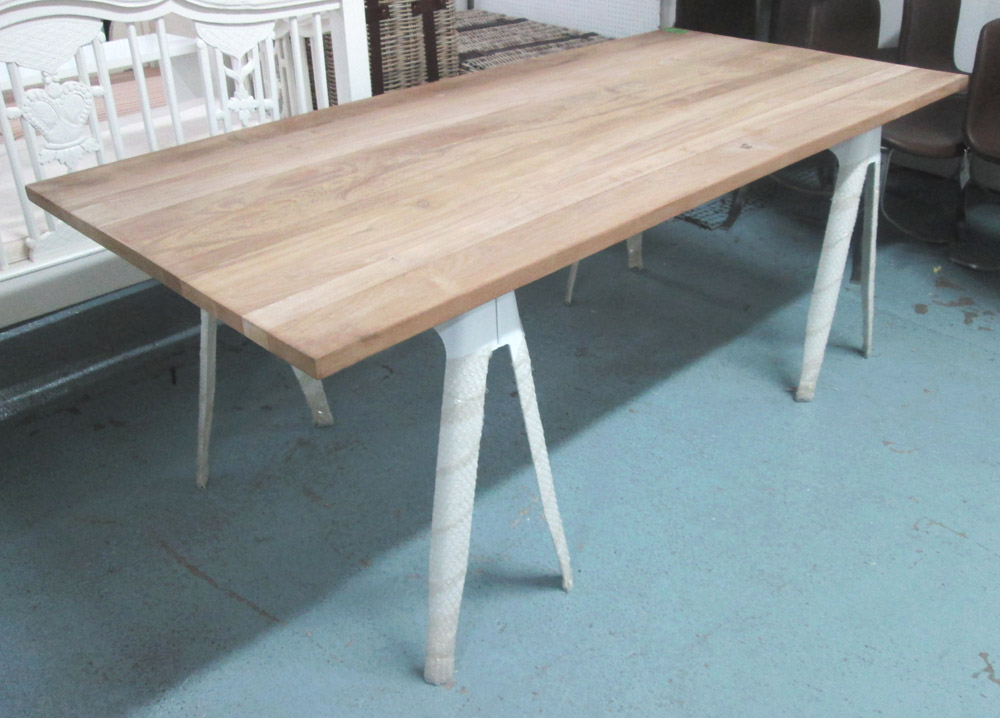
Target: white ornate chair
[73,99]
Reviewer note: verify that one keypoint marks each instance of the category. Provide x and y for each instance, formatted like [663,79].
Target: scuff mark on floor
[891,445]
[989,672]
[520,515]
[316,498]
[945,283]
[198,573]
[929,523]
[960,302]
[932,522]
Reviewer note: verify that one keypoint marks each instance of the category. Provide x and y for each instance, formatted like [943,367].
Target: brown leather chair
[846,27]
[982,137]
[927,39]
[927,35]
[735,18]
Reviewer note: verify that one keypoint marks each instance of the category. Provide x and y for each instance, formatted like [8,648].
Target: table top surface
[332,235]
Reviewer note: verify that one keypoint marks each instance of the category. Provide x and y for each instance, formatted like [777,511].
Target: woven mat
[486,39]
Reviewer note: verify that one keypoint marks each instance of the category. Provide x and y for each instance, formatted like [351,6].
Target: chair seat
[935,131]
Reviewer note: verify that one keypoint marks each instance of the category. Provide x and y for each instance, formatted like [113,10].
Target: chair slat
[84,78]
[167,70]
[258,85]
[104,77]
[204,64]
[220,71]
[145,106]
[319,62]
[298,68]
[272,75]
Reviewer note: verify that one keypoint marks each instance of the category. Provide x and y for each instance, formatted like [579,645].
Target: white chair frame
[61,111]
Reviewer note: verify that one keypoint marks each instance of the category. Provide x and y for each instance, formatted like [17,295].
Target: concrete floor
[736,553]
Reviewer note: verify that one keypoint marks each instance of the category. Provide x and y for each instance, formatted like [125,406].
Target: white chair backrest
[73,99]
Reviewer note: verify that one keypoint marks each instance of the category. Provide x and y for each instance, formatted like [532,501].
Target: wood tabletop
[330,236]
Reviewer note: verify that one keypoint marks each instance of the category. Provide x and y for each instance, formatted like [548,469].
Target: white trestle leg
[469,342]
[312,388]
[571,282]
[540,453]
[206,393]
[633,246]
[315,397]
[858,159]
[868,242]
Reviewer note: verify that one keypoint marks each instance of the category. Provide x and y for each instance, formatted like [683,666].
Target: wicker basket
[404,34]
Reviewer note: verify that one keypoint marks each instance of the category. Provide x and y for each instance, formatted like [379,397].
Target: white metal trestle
[469,341]
[859,160]
[312,388]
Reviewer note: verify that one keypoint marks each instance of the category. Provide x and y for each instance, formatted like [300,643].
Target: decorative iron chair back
[66,86]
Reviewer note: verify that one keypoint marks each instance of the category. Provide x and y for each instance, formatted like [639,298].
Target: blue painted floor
[736,553]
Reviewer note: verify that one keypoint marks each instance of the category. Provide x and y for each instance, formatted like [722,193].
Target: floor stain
[920,308]
[930,523]
[960,302]
[891,445]
[198,573]
[316,498]
[970,316]
[945,283]
[989,672]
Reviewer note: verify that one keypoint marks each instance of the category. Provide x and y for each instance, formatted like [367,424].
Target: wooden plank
[336,234]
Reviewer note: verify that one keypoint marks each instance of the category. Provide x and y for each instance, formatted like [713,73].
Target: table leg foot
[855,157]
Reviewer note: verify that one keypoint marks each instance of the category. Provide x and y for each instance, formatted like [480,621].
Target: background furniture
[846,27]
[735,18]
[927,34]
[37,277]
[982,136]
[935,132]
[68,108]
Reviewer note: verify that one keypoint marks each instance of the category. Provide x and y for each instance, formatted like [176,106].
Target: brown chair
[735,18]
[846,27]
[982,137]
[927,35]
[935,132]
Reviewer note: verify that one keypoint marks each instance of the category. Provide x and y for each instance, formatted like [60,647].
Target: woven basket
[399,35]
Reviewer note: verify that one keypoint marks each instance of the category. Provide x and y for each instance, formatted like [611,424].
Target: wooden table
[330,236]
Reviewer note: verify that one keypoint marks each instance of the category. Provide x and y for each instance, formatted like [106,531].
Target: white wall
[975,13]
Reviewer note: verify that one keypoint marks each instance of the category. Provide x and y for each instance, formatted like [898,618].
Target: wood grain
[333,235]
